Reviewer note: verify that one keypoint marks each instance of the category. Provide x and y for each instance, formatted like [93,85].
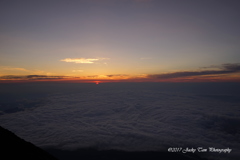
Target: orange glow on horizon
[110,79]
[177,80]
[97,82]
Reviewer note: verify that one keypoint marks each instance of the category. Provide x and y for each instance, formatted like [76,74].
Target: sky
[119,40]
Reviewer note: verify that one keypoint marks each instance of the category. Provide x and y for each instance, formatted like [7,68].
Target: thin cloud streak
[224,69]
[82,60]
[117,75]
[77,70]
[79,60]
[15,69]
[32,77]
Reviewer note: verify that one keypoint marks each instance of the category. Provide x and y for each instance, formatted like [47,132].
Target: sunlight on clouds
[15,69]
[80,60]
[77,70]
[224,73]
[8,70]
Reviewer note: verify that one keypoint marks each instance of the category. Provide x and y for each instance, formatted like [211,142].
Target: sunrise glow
[119,41]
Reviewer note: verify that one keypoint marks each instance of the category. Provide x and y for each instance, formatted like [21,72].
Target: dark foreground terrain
[12,147]
[93,154]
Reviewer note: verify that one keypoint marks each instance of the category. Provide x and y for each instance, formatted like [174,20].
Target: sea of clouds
[130,117]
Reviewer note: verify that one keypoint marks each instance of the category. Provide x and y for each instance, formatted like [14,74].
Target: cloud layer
[133,117]
[222,73]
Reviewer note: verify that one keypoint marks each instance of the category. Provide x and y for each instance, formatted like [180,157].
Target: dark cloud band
[224,69]
[32,77]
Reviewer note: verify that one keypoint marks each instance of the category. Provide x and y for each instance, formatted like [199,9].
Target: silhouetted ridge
[13,147]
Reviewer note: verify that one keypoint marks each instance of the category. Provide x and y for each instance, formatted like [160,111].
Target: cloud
[82,60]
[226,72]
[224,69]
[117,75]
[130,117]
[77,70]
[15,69]
[231,67]
[31,77]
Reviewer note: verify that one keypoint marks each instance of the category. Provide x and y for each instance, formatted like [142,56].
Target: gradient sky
[145,40]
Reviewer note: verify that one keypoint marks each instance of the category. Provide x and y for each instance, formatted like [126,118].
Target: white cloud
[82,60]
[79,60]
